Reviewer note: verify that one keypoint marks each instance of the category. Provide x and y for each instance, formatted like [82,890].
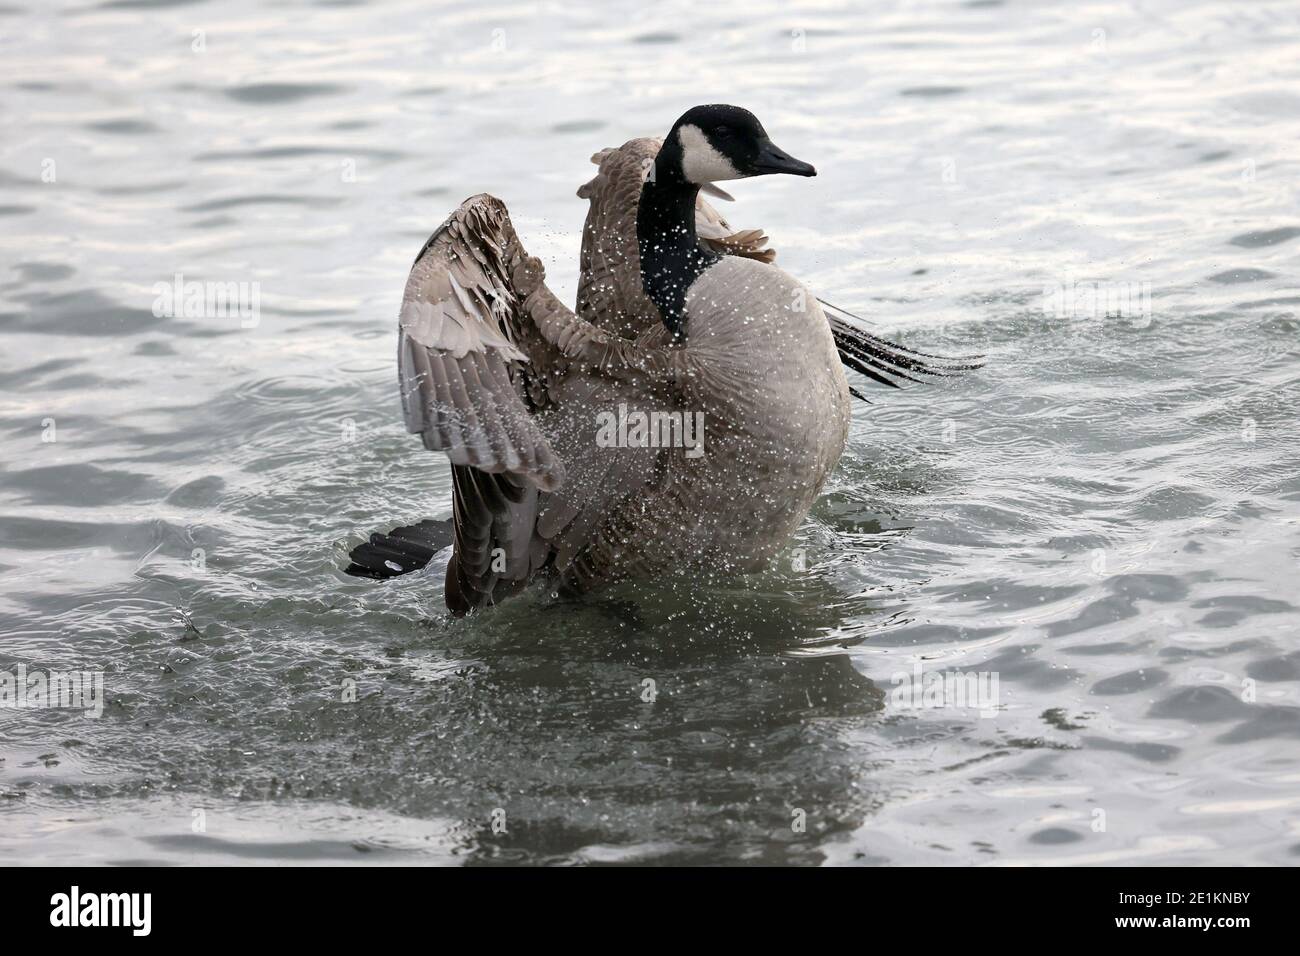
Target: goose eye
[722,131]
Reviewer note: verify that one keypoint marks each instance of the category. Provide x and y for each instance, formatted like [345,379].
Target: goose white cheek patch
[701,163]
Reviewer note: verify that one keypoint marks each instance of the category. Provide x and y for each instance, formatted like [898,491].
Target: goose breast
[775,401]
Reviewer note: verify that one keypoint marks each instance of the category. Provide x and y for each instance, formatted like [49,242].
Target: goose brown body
[514,387]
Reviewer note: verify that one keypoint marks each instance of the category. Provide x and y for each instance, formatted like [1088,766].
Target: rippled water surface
[1107,516]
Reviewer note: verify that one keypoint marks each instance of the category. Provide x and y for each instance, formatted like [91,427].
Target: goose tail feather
[887,362]
[401,550]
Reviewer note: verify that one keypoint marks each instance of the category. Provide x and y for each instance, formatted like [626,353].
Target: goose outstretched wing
[482,339]
[485,352]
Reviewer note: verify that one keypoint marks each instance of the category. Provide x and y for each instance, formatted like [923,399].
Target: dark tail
[401,551]
[883,361]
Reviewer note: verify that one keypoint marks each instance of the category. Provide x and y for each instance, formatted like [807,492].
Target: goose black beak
[773,159]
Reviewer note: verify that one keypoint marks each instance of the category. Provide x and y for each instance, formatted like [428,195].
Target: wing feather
[459,358]
[482,345]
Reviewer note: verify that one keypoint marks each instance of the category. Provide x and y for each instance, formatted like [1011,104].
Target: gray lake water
[1106,517]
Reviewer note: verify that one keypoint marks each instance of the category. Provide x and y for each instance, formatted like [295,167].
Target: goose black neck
[671,256]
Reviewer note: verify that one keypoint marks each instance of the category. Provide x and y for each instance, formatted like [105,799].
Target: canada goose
[687,415]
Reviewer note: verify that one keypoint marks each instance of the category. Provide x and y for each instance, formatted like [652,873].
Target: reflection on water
[1105,517]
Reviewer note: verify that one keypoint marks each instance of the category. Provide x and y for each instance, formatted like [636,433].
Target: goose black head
[714,143]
